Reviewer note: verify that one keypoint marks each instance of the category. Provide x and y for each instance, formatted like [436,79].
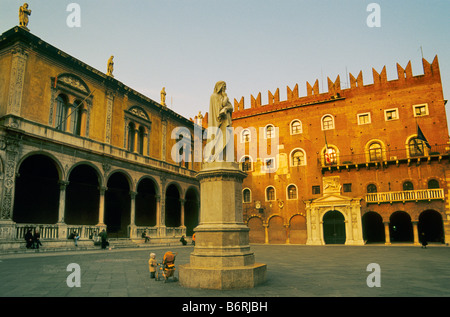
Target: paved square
[292,270]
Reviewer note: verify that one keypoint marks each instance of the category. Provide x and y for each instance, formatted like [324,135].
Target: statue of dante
[23,15]
[110,66]
[220,110]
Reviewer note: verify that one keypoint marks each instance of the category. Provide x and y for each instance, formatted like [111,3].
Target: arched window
[330,156]
[296,127]
[298,158]
[375,152]
[270,193]
[327,122]
[245,136]
[61,112]
[371,188]
[408,185]
[415,147]
[292,192]
[247,195]
[433,184]
[246,164]
[269,131]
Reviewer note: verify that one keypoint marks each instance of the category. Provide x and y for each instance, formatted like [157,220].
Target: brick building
[80,150]
[347,165]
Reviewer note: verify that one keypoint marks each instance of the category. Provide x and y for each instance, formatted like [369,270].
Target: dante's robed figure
[219,119]
[24,12]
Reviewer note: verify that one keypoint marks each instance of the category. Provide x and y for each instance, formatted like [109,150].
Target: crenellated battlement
[335,91]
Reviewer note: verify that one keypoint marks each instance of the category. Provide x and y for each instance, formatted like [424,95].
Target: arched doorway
[277,230]
[191,211]
[37,191]
[82,196]
[334,227]
[117,205]
[256,233]
[400,227]
[173,207]
[373,228]
[145,209]
[297,230]
[431,225]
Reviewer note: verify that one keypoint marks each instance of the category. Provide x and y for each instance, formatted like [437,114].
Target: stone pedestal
[222,258]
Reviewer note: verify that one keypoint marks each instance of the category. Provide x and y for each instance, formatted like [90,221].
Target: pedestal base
[222,258]
[222,278]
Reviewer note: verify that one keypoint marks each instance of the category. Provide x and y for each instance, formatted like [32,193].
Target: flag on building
[422,137]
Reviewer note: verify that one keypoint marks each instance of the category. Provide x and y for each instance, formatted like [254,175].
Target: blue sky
[253,45]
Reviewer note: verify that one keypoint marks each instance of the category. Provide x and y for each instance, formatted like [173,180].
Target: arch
[373,227]
[146,202]
[431,226]
[276,230]
[53,158]
[256,233]
[329,155]
[246,195]
[246,136]
[73,81]
[37,190]
[433,184]
[173,205]
[292,192]
[139,112]
[415,147]
[297,157]
[191,210]
[297,230]
[270,193]
[372,188]
[246,163]
[408,185]
[118,204]
[400,227]
[269,131]
[375,151]
[334,227]
[90,164]
[327,122]
[296,127]
[82,196]
[127,175]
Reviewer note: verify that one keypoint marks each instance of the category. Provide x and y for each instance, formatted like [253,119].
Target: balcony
[384,158]
[406,195]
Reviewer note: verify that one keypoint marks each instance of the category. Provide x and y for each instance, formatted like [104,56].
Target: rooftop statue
[110,66]
[24,12]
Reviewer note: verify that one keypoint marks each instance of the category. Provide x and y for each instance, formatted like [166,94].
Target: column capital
[133,194]
[63,184]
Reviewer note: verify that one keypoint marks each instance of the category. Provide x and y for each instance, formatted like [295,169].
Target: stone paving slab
[292,271]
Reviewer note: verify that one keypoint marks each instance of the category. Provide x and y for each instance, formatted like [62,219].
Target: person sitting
[29,239]
[145,236]
[183,240]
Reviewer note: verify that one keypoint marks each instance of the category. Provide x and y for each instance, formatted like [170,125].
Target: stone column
[182,202]
[132,227]
[416,233]
[222,258]
[62,201]
[101,207]
[7,226]
[266,233]
[386,233]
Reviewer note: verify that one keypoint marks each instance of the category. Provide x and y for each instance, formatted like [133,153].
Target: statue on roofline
[24,12]
[110,67]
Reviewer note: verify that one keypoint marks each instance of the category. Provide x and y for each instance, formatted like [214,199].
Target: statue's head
[25,5]
[220,87]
